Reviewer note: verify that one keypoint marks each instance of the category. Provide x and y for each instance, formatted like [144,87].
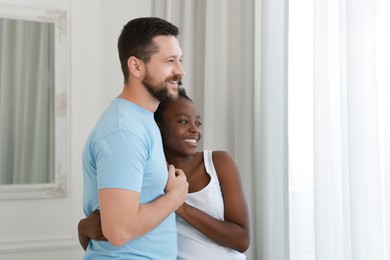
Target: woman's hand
[90,228]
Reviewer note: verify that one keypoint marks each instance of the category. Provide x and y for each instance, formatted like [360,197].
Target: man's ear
[136,66]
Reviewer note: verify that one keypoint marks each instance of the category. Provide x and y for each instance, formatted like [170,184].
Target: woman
[213,223]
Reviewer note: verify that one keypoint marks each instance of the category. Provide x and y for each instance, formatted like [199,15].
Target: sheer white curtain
[339,136]
[26,102]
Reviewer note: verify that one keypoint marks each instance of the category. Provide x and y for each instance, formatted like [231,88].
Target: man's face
[164,72]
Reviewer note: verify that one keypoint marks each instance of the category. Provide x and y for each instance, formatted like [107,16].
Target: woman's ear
[136,66]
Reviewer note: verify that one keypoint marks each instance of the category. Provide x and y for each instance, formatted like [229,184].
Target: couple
[192,209]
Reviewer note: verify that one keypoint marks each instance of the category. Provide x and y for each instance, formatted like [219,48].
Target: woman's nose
[194,128]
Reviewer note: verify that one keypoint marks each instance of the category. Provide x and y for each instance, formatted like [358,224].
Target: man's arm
[124,218]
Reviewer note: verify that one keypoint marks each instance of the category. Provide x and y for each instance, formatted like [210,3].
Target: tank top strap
[209,164]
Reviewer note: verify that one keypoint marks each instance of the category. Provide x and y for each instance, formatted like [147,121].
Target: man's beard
[159,89]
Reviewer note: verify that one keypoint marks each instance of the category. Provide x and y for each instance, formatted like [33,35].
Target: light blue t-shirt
[124,150]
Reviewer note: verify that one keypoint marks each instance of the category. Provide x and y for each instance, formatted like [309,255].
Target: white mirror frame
[58,188]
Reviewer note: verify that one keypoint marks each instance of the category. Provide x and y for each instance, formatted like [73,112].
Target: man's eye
[198,124]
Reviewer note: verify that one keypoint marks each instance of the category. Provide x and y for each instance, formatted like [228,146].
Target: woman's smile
[193,142]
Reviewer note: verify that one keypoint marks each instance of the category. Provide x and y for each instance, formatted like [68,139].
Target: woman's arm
[234,231]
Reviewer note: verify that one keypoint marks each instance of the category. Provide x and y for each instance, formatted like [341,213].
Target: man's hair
[161,107]
[136,39]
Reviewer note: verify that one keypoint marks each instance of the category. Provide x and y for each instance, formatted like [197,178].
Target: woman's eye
[183,121]
[198,124]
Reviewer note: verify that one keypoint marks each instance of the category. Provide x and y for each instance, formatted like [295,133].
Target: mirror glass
[26,101]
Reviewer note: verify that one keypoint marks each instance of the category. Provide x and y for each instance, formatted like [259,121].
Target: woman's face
[179,128]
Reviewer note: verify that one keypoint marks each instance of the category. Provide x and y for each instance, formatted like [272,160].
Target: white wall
[46,228]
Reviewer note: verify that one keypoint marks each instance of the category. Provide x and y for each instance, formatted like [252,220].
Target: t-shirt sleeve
[120,159]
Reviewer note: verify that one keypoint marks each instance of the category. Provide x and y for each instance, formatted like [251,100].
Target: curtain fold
[272,206]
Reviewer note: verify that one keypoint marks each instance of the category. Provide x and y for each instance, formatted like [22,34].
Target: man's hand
[177,185]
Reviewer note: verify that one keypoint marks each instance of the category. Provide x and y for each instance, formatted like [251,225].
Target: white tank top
[193,245]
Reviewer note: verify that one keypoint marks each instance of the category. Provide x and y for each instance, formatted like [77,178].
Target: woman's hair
[136,39]
[161,107]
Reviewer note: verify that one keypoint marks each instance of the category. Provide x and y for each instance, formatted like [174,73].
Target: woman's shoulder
[221,156]
[223,161]
[226,168]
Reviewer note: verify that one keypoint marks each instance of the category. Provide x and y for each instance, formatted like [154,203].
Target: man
[125,171]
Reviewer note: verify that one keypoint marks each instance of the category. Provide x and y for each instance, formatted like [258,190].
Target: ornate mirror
[34,123]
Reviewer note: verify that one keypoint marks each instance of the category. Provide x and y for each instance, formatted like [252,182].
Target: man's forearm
[124,222]
[124,218]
